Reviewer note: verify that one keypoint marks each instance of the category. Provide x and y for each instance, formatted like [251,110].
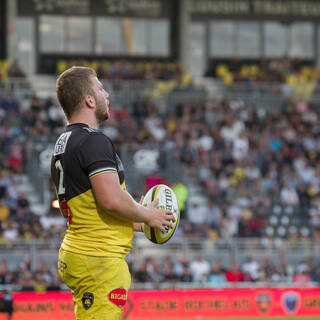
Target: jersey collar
[75,125]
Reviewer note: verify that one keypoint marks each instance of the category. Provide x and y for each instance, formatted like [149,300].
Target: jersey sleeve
[96,155]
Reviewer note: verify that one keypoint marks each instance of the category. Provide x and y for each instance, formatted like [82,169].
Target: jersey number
[61,188]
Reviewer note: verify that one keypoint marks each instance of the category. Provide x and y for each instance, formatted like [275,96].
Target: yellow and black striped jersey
[79,154]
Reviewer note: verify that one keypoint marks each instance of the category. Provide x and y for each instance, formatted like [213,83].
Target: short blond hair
[72,86]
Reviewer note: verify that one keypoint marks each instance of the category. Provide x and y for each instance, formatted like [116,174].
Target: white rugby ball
[166,200]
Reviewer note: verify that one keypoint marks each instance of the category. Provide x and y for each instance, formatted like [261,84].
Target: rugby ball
[166,200]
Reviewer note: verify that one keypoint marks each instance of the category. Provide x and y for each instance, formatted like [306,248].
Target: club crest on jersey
[118,297]
[62,266]
[87,300]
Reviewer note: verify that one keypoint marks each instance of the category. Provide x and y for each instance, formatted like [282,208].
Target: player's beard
[102,110]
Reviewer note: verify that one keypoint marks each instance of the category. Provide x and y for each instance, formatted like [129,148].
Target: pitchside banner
[177,304]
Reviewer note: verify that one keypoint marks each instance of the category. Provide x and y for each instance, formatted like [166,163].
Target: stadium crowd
[248,160]
[232,151]
[125,70]
[217,274]
[11,70]
[169,271]
[277,70]
[229,149]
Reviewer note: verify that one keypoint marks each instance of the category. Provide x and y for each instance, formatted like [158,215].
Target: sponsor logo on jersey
[263,302]
[290,302]
[61,143]
[118,297]
[87,300]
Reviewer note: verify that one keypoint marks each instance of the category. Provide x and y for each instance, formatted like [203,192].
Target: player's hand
[159,218]
[141,200]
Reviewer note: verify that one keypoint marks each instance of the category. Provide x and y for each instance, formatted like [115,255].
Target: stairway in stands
[43,85]
[26,186]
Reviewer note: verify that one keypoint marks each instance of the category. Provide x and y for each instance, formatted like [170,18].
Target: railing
[226,250]
[125,92]
[267,95]
[20,87]
[164,94]
[212,285]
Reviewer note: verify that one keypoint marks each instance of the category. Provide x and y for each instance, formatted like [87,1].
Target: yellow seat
[228,79]
[61,66]
[221,70]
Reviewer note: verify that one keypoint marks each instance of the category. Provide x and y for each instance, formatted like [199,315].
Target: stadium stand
[224,148]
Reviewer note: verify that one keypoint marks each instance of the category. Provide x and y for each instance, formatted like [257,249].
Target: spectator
[153,269]
[16,156]
[302,277]
[139,110]
[141,275]
[154,179]
[198,214]
[52,220]
[289,195]
[251,269]
[15,70]
[167,271]
[179,266]
[10,104]
[27,281]
[186,275]
[11,232]
[228,226]
[315,275]
[235,274]
[217,275]
[199,269]
[240,146]
[4,273]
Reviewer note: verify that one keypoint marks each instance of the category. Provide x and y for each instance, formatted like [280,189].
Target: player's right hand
[159,218]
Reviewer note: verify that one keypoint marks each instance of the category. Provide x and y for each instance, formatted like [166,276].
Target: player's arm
[109,194]
[137,227]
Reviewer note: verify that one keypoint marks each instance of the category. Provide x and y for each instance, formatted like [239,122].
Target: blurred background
[219,99]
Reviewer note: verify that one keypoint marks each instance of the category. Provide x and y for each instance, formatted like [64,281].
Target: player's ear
[89,100]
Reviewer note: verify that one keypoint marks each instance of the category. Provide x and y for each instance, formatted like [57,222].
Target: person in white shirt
[251,267]
[199,269]
[289,195]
